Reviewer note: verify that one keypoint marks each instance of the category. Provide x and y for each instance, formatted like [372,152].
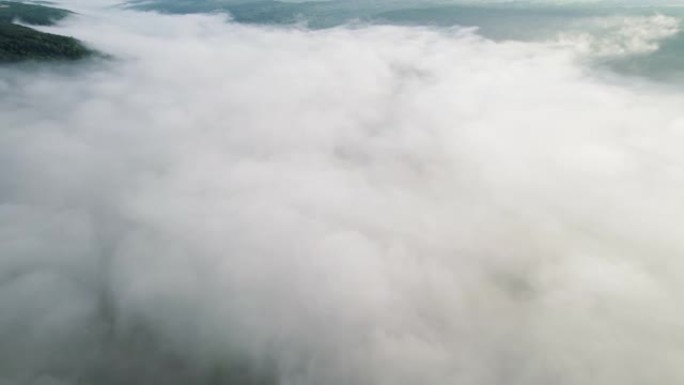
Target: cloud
[372,205]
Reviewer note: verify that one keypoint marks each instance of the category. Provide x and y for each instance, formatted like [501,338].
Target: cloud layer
[370,205]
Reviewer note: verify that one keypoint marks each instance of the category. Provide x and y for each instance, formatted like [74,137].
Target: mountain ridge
[19,42]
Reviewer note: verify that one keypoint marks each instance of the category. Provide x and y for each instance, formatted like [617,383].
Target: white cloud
[376,205]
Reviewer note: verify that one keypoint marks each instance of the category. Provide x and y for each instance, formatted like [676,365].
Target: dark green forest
[30,13]
[21,43]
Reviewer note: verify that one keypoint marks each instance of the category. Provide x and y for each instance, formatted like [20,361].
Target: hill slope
[20,43]
[11,11]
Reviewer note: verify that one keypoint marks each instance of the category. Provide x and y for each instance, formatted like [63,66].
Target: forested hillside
[20,43]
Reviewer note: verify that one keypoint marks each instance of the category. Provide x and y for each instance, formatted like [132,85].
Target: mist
[221,203]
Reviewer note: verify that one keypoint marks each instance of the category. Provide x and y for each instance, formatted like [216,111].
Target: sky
[219,202]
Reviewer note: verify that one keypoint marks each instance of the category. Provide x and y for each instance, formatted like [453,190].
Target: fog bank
[231,204]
